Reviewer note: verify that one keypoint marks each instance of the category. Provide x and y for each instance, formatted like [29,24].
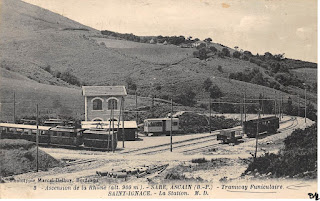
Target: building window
[97,104]
[112,104]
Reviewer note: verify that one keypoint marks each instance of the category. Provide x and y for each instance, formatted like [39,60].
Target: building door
[164,126]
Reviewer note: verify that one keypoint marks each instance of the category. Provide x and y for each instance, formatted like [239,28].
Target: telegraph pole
[244,106]
[136,112]
[112,137]
[37,139]
[14,107]
[241,108]
[171,126]
[275,104]
[210,115]
[257,136]
[298,105]
[122,111]
[305,103]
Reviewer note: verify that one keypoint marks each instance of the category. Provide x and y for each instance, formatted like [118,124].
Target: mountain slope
[34,39]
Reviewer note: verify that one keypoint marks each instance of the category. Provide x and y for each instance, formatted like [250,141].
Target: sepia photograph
[151,99]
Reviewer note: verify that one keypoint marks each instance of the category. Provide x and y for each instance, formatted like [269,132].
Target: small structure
[101,100]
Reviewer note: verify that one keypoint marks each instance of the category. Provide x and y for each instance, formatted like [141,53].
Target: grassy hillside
[34,40]
[19,156]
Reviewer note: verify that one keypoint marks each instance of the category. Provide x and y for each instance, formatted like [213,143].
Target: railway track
[212,135]
[195,142]
[212,146]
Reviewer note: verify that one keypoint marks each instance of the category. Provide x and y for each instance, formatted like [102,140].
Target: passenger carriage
[160,125]
[268,125]
[27,132]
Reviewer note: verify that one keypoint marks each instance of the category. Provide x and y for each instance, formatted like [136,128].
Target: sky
[259,26]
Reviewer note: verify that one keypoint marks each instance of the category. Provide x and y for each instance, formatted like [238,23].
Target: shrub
[220,69]
[215,92]
[70,78]
[199,160]
[15,144]
[213,49]
[297,157]
[236,54]
[207,84]
[226,52]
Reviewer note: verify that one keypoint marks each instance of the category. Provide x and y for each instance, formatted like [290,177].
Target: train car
[230,135]
[160,125]
[27,132]
[66,136]
[100,139]
[268,125]
[61,136]
[130,128]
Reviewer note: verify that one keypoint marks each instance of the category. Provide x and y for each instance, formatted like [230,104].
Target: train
[62,136]
[159,126]
[268,125]
[230,135]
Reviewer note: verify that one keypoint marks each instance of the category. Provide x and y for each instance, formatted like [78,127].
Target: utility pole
[305,103]
[14,107]
[171,126]
[37,139]
[275,104]
[109,131]
[112,119]
[262,106]
[257,136]
[122,111]
[210,115]
[241,108]
[282,107]
[137,112]
[245,107]
[298,105]
[279,105]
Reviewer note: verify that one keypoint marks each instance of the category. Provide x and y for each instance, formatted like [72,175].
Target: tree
[213,49]
[226,52]
[215,92]
[208,40]
[236,54]
[130,83]
[203,53]
[207,84]
[186,97]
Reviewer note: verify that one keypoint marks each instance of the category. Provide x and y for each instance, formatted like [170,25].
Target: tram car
[268,125]
[160,126]
[61,136]
[230,135]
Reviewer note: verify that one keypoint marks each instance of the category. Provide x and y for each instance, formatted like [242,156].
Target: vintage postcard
[158,99]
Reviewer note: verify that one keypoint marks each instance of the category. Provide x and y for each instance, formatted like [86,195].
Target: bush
[186,97]
[236,54]
[15,144]
[199,160]
[226,52]
[70,78]
[207,84]
[215,92]
[298,157]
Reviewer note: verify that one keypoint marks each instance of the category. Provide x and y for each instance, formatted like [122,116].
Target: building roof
[104,91]
[24,126]
[161,119]
[105,124]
